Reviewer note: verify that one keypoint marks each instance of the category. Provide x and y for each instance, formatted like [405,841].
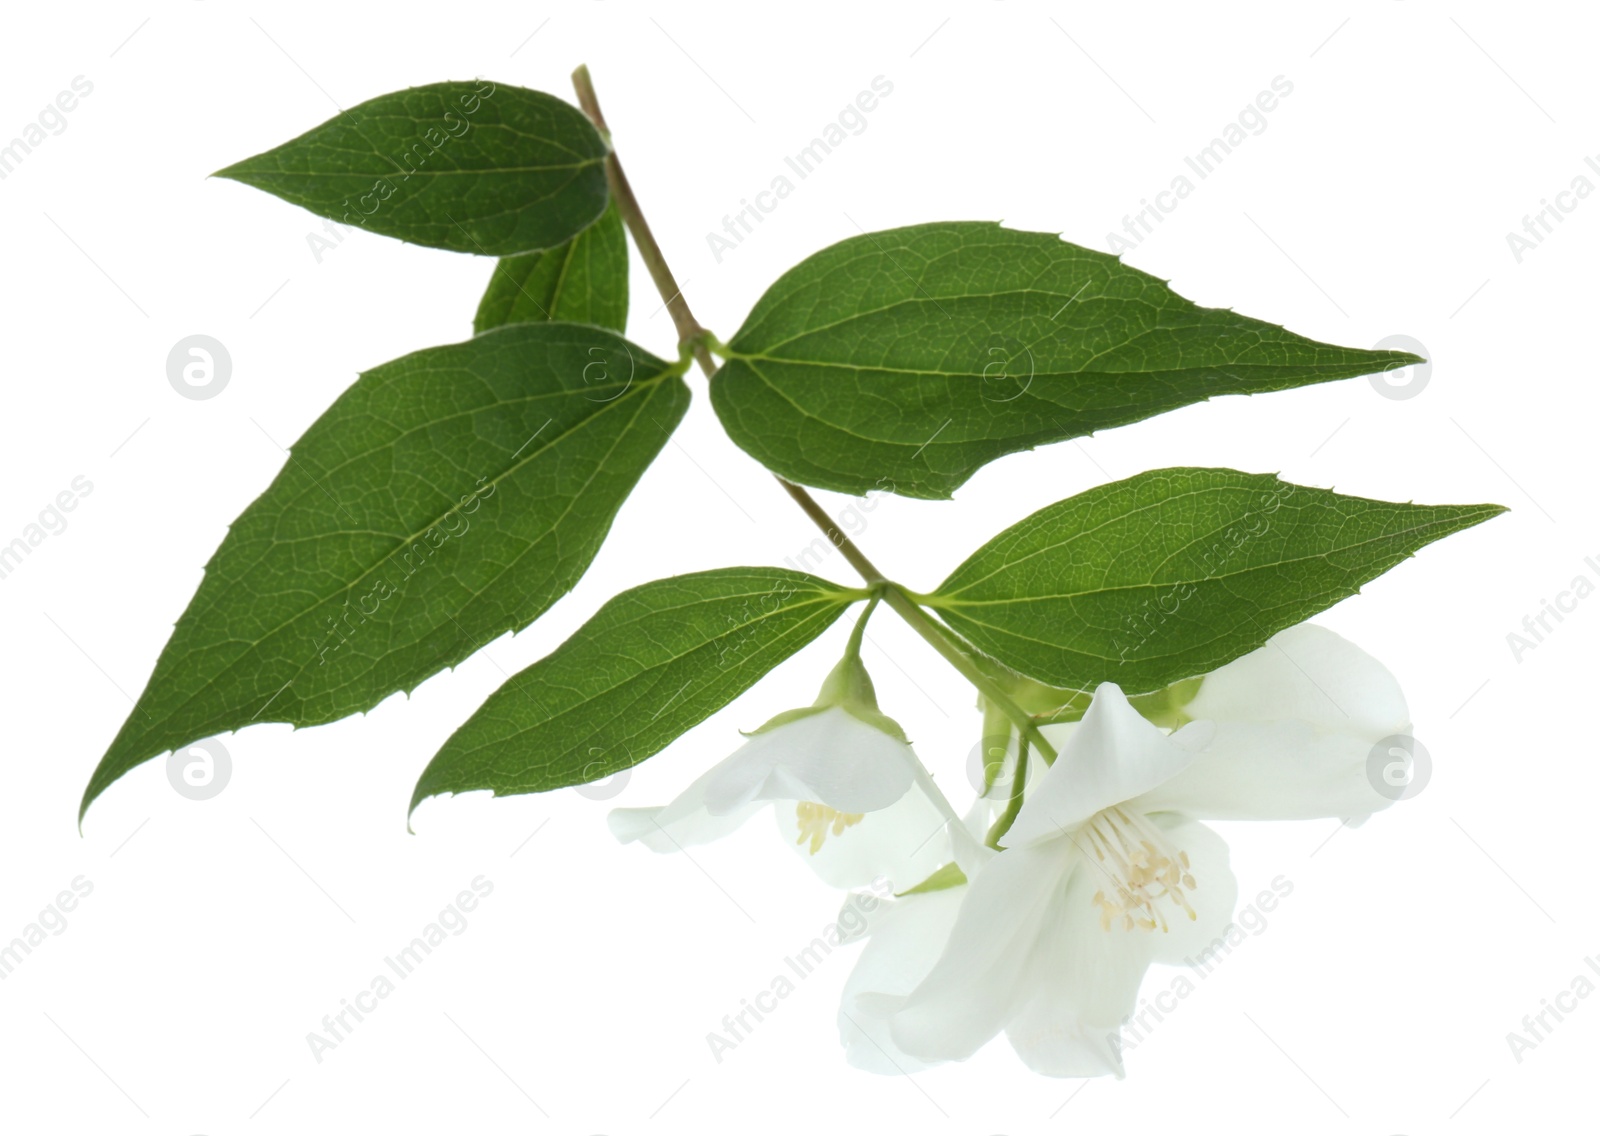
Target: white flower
[1296,722]
[1107,869]
[849,793]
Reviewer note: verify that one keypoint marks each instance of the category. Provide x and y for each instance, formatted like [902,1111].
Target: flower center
[816,821]
[1144,868]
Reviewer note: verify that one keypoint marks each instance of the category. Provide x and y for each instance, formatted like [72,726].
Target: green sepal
[948,876]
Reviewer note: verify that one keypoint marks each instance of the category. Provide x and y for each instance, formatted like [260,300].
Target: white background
[218,934]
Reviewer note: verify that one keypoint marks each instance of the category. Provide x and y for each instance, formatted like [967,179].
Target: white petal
[970,992]
[676,826]
[903,844]
[1082,981]
[1079,983]
[1309,674]
[1215,895]
[981,817]
[683,823]
[1296,723]
[831,757]
[1113,755]
[968,850]
[863,912]
[907,936]
[1273,771]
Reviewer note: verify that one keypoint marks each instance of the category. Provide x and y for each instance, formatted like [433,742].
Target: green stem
[852,649]
[995,742]
[693,335]
[819,516]
[1019,782]
[689,329]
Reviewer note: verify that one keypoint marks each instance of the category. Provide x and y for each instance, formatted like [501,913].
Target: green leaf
[470,167]
[905,360]
[445,498]
[1173,573]
[582,281]
[653,662]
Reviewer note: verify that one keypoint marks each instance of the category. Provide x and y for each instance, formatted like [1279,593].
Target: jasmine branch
[692,334]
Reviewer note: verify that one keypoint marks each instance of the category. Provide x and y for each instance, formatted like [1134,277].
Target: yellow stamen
[1144,867]
[816,821]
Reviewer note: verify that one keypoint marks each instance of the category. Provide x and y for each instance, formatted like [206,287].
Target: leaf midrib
[942,601]
[458,171]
